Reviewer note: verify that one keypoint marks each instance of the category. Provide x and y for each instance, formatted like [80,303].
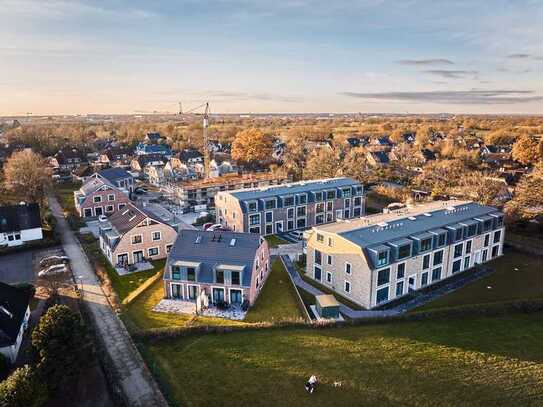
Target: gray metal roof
[404,227]
[292,188]
[212,253]
[114,174]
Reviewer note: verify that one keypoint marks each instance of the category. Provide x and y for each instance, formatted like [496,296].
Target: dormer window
[288,201]
[404,251]
[270,204]
[318,196]
[219,277]
[458,235]
[426,244]
[346,192]
[302,199]
[252,206]
[331,194]
[382,258]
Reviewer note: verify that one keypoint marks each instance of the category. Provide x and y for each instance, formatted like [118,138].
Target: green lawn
[517,276]
[455,362]
[65,194]
[274,241]
[277,301]
[123,285]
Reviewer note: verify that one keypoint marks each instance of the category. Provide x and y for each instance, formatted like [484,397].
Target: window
[472,230]
[436,274]
[300,211]
[156,235]
[456,266]
[382,258]
[288,201]
[254,229]
[302,199]
[347,268]
[168,248]
[485,254]
[121,206]
[318,257]
[346,192]
[97,199]
[495,251]
[399,288]
[382,295]
[497,236]
[400,272]
[357,212]
[329,217]
[347,203]
[331,194]
[458,249]
[347,287]
[153,251]
[487,225]
[235,278]
[404,251]
[111,197]
[328,277]
[252,206]
[269,217]
[458,235]
[191,274]
[319,219]
[319,208]
[426,244]
[270,204]
[300,223]
[329,260]
[442,240]
[176,273]
[269,229]
[290,224]
[318,196]
[329,206]
[290,213]
[438,257]
[357,201]
[320,238]
[426,262]
[487,240]
[468,246]
[219,277]
[110,208]
[317,273]
[466,262]
[254,219]
[424,279]
[499,221]
[136,239]
[383,277]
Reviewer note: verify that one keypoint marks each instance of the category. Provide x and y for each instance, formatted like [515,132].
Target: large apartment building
[287,207]
[376,259]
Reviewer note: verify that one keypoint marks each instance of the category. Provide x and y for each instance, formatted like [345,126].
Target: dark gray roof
[129,217]
[13,304]
[404,227]
[188,154]
[211,252]
[19,217]
[380,156]
[292,188]
[114,174]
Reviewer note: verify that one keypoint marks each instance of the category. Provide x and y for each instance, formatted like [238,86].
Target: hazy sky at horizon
[120,56]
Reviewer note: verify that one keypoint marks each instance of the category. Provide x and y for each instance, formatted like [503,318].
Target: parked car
[207,225]
[102,218]
[54,269]
[298,234]
[217,228]
[50,260]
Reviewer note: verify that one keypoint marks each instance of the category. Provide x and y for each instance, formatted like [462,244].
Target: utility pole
[206,146]
[180,108]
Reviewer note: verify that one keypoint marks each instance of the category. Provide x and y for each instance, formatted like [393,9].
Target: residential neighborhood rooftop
[114,174]
[13,304]
[19,217]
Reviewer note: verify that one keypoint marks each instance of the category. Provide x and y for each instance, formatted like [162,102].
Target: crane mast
[206,141]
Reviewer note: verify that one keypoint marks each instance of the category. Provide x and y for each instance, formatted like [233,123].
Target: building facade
[98,197]
[288,207]
[228,267]
[20,224]
[14,317]
[376,259]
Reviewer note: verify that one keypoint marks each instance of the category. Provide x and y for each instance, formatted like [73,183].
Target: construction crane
[205,126]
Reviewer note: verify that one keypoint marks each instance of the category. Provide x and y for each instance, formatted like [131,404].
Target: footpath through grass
[455,362]
[517,276]
[277,301]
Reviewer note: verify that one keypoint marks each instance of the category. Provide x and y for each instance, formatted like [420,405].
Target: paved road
[137,383]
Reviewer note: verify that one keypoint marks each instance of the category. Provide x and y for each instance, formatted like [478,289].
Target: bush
[209,218]
[23,388]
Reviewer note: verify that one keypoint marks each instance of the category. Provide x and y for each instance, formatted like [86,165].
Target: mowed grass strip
[517,276]
[460,362]
[277,300]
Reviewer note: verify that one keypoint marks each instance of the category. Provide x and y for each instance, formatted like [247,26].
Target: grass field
[65,194]
[456,362]
[277,301]
[274,241]
[517,276]
[123,285]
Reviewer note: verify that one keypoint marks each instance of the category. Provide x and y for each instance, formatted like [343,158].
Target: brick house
[227,266]
[98,196]
[133,235]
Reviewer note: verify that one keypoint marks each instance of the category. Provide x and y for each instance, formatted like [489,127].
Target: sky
[397,56]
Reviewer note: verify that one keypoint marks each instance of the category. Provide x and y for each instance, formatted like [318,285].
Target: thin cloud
[519,56]
[473,97]
[424,62]
[451,74]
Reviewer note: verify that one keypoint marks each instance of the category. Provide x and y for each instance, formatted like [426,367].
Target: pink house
[227,266]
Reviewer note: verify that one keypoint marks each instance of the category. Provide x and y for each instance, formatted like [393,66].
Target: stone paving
[189,307]
[142,266]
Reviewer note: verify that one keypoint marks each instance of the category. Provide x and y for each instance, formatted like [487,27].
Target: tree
[527,202]
[322,163]
[441,177]
[62,345]
[423,136]
[527,150]
[397,136]
[500,137]
[355,166]
[251,146]
[27,175]
[23,388]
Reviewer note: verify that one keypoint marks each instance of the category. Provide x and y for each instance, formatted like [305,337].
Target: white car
[214,227]
[298,234]
[54,269]
[50,260]
[102,218]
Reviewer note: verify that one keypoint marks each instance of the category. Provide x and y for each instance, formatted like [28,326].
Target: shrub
[23,388]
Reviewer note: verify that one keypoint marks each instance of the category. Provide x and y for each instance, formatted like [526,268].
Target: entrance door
[278,227]
[235,297]
[176,291]
[138,256]
[122,259]
[193,292]
[218,295]
[412,283]
[98,211]
[478,257]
